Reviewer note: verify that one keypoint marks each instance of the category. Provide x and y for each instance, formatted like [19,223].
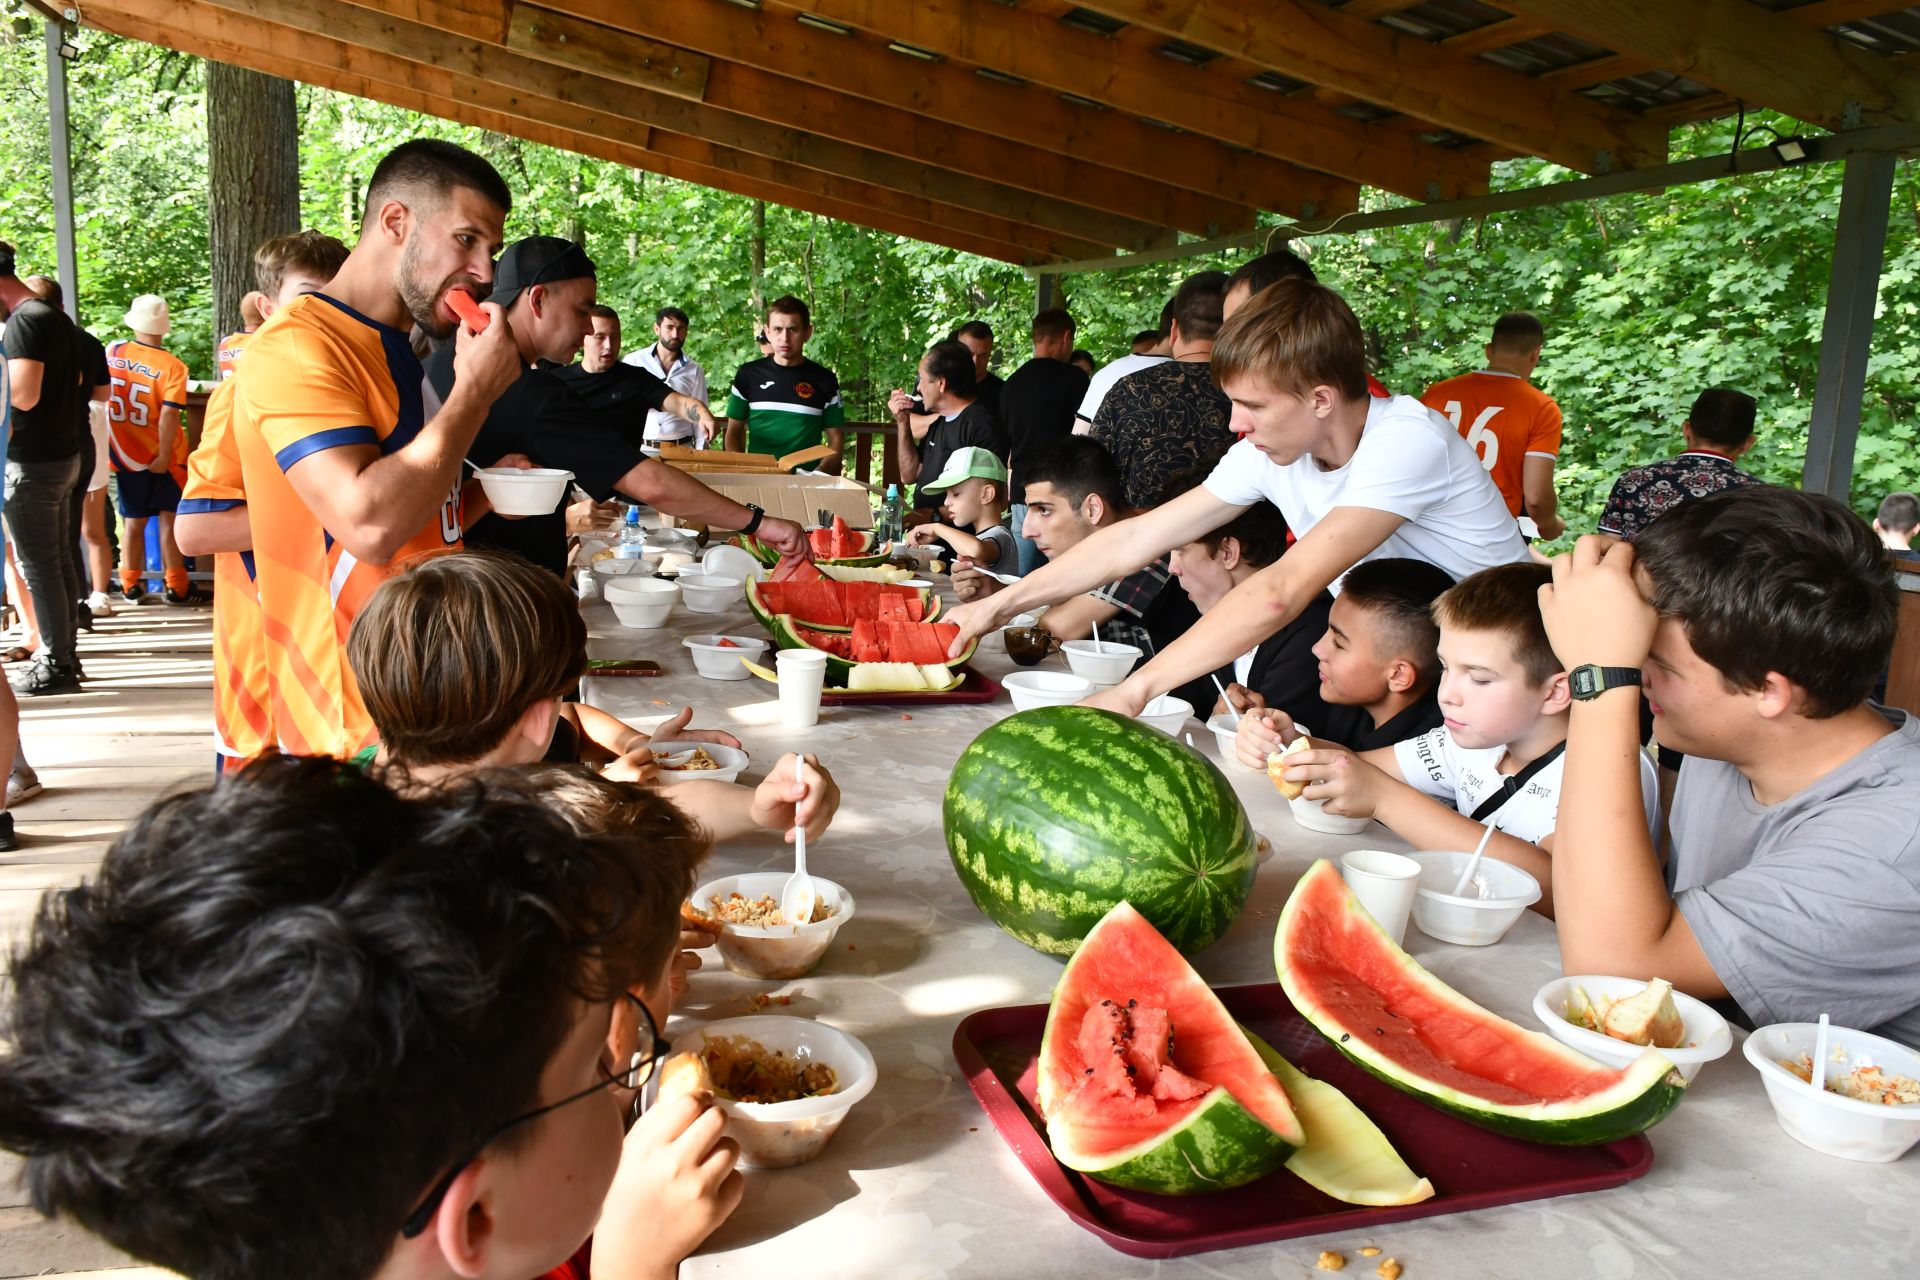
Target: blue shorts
[143,493]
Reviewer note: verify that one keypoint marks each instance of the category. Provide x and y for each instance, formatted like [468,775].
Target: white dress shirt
[688,378]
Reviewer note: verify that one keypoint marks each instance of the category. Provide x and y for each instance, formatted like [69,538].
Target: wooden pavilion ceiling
[1038,131]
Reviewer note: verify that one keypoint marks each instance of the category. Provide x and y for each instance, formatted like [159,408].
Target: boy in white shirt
[1498,756]
[1357,476]
[975,484]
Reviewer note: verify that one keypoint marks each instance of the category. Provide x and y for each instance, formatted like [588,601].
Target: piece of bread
[684,1073]
[1277,767]
[694,918]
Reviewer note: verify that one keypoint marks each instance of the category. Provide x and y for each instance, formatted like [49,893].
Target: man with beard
[350,468]
[667,360]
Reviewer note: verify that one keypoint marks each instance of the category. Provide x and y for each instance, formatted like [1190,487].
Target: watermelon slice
[1346,1156]
[1144,1078]
[869,641]
[1396,1020]
[826,604]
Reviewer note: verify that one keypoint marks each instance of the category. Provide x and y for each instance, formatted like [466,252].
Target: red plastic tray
[978,687]
[1469,1167]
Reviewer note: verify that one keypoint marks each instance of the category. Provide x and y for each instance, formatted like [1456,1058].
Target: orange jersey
[242,725]
[1506,419]
[229,352]
[319,375]
[146,381]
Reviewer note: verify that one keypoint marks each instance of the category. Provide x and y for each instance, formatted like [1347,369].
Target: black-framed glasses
[638,1071]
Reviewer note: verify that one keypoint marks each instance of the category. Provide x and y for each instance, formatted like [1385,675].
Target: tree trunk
[253,178]
[757,247]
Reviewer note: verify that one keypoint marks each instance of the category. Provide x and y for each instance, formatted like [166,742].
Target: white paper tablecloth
[918,1184]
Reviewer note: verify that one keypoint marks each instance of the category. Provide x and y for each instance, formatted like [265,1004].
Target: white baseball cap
[148,314]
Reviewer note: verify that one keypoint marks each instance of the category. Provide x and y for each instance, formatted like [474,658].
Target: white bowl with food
[709,593]
[719,657]
[1493,903]
[1166,713]
[790,1054]
[1030,689]
[770,951]
[1313,816]
[725,560]
[698,761]
[533,491]
[1105,663]
[1705,1037]
[1225,731]
[640,602]
[1845,1124]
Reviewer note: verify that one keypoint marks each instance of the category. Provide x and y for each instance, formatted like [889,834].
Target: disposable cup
[1385,883]
[802,672]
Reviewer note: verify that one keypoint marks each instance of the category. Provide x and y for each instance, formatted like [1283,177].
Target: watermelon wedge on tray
[824,604]
[870,640]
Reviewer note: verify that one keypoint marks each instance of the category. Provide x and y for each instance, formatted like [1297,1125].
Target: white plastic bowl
[640,602]
[1224,733]
[607,570]
[776,951]
[1166,713]
[1313,815]
[732,762]
[514,492]
[1030,689]
[775,1135]
[706,593]
[1708,1036]
[716,661]
[728,561]
[1469,922]
[1106,667]
[1827,1122]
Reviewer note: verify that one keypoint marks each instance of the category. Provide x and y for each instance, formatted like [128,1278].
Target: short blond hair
[1296,335]
[307,251]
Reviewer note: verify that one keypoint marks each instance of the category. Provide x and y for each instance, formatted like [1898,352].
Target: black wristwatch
[1587,682]
[759,514]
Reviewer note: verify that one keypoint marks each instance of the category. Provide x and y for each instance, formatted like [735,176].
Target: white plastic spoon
[1228,702]
[1473,863]
[1097,646]
[797,895]
[1819,1072]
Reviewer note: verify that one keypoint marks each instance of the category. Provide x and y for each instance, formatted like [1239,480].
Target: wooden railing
[862,436]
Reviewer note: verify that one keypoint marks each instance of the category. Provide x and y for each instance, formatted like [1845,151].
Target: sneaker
[102,606]
[22,786]
[8,841]
[189,596]
[46,676]
[133,594]
[83,617]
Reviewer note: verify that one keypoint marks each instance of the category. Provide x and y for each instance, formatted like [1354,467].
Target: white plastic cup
[803,673]
[1385,884]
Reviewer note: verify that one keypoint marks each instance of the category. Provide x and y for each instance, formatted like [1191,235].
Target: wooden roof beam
[1139,81]
[1329,47]
[1495,35]
[755,94]
[1766,59]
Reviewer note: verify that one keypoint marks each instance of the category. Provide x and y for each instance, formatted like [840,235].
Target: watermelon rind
[1055,815]
[1645,1091]
[870,558]
[1217,1146]
[785,630]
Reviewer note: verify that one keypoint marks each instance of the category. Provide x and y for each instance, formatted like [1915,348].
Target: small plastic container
[643,603]
[1313,816]
[728,561]
[1224,733]
[1469,921]
[774,951]
[515,492]
[718,661]
[1827,1122]
[707,593]
[776,1135]
[1030,689]
[1708,1036]
[1166,713]
[1106,666]
[732,762]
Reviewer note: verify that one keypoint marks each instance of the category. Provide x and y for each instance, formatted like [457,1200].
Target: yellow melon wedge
[764,673]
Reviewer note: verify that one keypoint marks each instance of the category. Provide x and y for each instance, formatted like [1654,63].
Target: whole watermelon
[1054,816]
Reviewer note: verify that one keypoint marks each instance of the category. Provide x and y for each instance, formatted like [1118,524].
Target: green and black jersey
[786,407]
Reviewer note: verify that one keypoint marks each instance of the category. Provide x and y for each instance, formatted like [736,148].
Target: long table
[918,1183]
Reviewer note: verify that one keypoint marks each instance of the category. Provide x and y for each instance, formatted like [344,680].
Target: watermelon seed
[1344,1037]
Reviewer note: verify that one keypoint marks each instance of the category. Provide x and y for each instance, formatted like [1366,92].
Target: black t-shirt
[539,417]
[94,375]
[622,393]
[1037,407]
[1353,728]
[1284,670]
[1164,420]
[975,426]
[50,431]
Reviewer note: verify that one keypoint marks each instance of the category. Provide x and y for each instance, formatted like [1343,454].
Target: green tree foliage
[1647,299]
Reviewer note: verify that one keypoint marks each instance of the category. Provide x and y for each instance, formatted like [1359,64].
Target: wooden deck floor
[141,728]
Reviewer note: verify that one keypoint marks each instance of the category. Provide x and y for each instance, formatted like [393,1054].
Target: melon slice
[885,677]
[1145,1079]
[1399,1022]
[1648,1016]
[1346,1156]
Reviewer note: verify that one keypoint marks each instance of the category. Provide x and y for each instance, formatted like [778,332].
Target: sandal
[19,653]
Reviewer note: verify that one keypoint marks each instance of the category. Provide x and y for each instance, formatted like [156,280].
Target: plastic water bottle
[892,517]
[633,539]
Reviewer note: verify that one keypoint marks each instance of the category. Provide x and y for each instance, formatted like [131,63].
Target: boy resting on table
[300,1026]
[975,484]
[1760,616]
[1498,757]
[1378,665]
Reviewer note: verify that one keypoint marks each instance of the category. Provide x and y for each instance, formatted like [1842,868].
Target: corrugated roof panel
[1654,89]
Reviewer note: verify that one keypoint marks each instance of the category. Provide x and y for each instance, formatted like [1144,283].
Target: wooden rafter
[1037,48]
[1495,35]
[1308,41]
[1741,49]
[1368,10]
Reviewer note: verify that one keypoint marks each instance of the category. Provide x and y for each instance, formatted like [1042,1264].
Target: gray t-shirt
[1811,905]
[1002,537]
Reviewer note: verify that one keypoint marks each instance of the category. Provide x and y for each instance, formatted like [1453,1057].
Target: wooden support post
[60,148]
[1859,240]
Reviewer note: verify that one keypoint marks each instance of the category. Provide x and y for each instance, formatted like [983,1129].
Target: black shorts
[145,493]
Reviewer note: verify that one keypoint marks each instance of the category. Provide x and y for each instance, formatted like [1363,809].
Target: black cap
[537,260]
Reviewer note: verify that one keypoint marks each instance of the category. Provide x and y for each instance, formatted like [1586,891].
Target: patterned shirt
[1154,609]
[1643,494]
[1163,420]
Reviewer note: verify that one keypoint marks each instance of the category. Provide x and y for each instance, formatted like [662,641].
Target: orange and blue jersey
[319,375]
[242,724]
[146,382]
[229,352]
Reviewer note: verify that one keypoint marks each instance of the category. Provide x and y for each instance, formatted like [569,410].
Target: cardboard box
[799,497]
[686,459]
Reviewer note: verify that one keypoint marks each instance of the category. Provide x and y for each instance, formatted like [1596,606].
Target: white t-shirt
[1410,462]
[1434,765]
[1102,382]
